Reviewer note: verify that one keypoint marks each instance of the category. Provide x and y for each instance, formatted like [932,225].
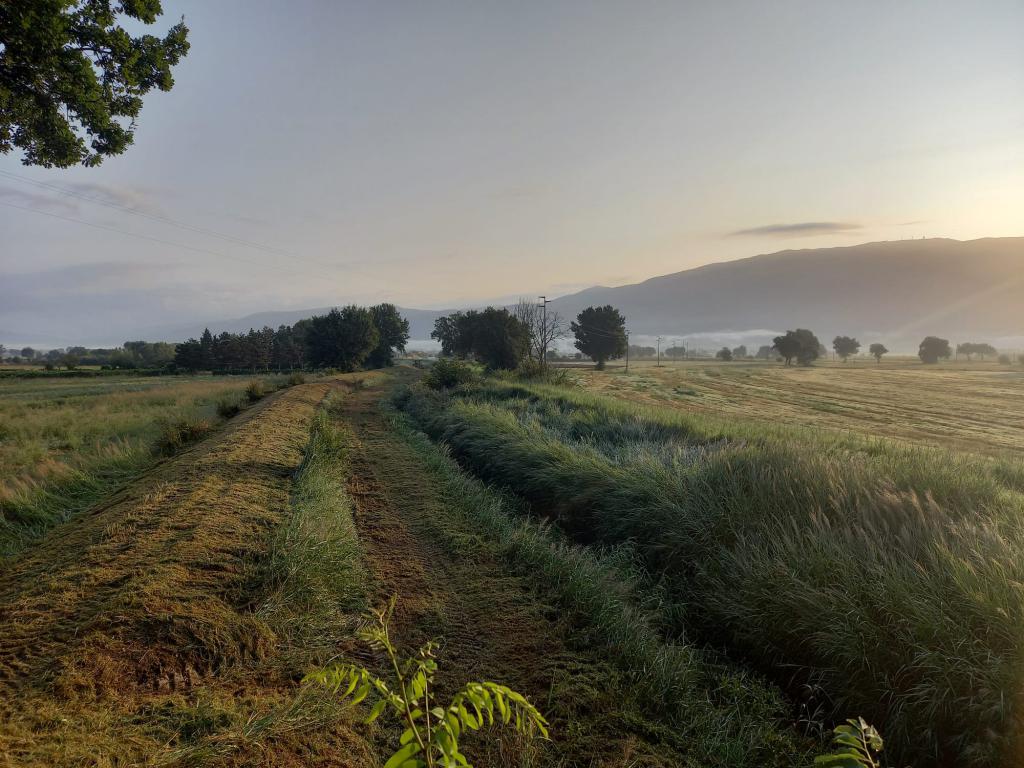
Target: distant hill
[896,292]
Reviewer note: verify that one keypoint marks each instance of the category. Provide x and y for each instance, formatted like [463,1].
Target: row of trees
[347,339]
[503,339]
[133,354]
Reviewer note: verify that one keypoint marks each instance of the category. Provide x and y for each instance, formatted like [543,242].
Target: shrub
[447,373]
[1004,359]
[255,391]
[296,378]
[175,435]
[228,407]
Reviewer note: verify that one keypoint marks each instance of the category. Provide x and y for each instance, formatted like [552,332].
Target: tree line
[347,339]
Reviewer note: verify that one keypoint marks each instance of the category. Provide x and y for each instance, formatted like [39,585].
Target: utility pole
[544,332]
[659,351]
[627,350]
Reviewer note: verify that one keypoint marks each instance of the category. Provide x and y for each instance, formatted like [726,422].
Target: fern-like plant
[431,735]
[857,745]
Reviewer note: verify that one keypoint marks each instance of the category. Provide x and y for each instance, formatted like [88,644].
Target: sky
[441,154]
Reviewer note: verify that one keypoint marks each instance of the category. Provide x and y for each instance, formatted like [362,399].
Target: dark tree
[765,352]
[932,348]
[72,79]
[493,337]
[800,344]
[600,334]
[740,351]
[724,354]
[446,331]
[877,350]
[188,356]
[206,345]
[342,338]
[393,332]
[28,353]
[845,346]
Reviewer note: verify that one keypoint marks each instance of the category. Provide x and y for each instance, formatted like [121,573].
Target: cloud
[137,198]
[801,229]
[38,202]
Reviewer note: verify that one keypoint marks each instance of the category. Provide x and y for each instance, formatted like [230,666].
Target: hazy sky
[437,153]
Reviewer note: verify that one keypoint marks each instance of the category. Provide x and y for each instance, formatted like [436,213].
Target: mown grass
[889,578]
[65,444]
[716,714]
[969,406]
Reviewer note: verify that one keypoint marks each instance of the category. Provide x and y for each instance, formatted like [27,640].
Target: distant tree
[1004,359]
[637,352]
[69,360]
[3,351]
[600,334]
[675,352]
[740,352]
[342,338]
[393,334]
[845,346]
[932,348]
[446,331]
[28,354]
[724,354]
[493,337]
[800,344]
[70,74]
[288,349]
[765,352]
[54,355]
[983,350]
[966,349]
[206,347]
[188,356]
[877,350]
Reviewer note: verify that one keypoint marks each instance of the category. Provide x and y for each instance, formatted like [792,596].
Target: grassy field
[65,442]
[671,582]
[969,406]
[884,579]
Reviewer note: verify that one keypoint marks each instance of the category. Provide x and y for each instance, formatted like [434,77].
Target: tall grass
[717,713]
[893,578]
[65,444]
[313,575]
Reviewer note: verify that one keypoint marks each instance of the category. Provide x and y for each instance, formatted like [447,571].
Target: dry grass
[65,443]
[134,627]
[977,407]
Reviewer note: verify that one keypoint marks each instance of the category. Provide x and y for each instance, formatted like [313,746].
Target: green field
[64,442]
[969,406]
[703,565]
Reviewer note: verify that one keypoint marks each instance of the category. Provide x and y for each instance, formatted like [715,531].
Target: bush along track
[172,624]
[886,577]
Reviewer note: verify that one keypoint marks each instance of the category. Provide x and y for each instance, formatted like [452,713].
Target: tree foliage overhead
[845,346]
[72,79]
[800,344]
[932,348]
[600,333]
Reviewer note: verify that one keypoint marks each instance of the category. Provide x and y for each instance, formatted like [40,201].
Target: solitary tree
[72,79]
[724,354]
[393,334]
[600,334]
[877,350]
[342,338]
[845,346]
[28,353]
[800,344]
[932,348]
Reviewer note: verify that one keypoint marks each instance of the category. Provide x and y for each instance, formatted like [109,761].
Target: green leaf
[375,712]
[402,755]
